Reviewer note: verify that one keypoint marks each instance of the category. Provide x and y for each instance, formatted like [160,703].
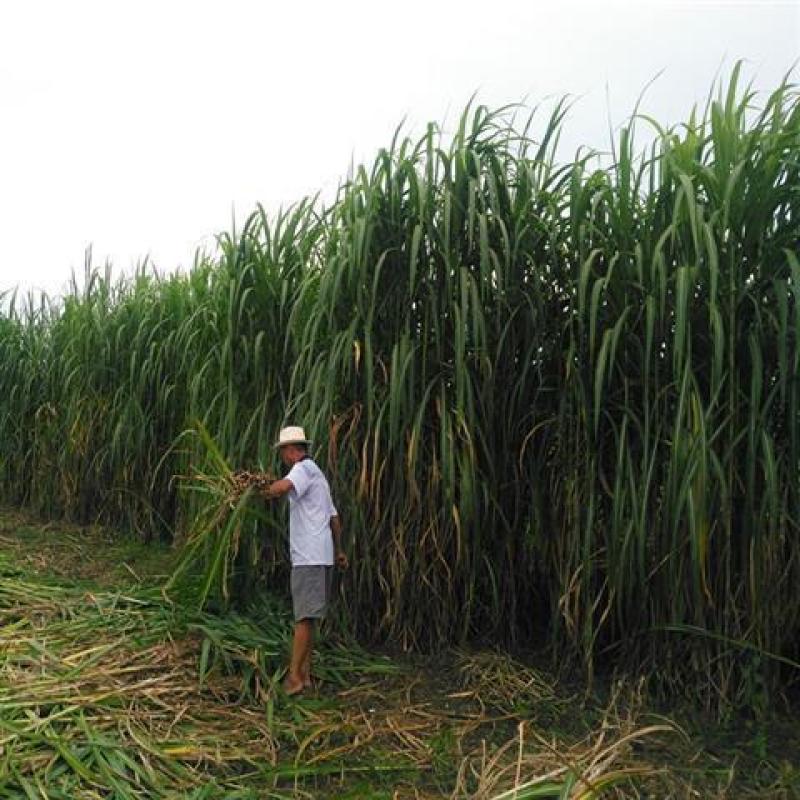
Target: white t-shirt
[310,512]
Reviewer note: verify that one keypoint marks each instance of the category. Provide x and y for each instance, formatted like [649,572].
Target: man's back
[310,511]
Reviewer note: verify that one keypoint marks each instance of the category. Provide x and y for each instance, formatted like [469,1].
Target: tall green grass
[558,401]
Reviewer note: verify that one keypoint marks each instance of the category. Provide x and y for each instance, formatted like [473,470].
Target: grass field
[110,690]
[558,393]
[558,403]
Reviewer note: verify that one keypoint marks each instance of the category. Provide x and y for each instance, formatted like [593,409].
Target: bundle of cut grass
[243,480]
[229,507]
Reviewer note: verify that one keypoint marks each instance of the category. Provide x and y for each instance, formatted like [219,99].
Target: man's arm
[278,489]
[336,530]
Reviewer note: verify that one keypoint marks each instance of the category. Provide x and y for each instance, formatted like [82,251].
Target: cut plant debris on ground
[111,689]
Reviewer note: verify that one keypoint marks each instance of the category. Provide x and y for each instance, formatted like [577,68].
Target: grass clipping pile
[100,696]
[125,695]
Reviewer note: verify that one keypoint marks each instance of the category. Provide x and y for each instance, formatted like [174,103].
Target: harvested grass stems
[522,769]
[105,698]
[227,505]
[505,683]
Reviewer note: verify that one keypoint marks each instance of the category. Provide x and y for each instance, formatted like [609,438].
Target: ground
[111,689]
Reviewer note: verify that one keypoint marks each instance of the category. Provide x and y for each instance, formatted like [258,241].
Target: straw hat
[293,434]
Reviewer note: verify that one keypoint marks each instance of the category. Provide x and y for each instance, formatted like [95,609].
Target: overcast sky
[141,128]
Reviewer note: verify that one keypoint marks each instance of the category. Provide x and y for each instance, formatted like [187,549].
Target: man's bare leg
[307,663]
[301,655]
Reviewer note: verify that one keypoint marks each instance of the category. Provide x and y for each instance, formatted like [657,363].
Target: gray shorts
[311,591]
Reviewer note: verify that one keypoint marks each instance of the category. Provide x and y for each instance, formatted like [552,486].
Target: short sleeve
[299,478]
[332,508]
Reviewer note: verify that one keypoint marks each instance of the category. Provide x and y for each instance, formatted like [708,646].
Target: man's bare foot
[293,687]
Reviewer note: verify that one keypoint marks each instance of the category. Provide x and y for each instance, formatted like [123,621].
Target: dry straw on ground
[120,693]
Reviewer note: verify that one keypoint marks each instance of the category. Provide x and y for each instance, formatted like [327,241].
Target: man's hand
[336,530]
[278,489]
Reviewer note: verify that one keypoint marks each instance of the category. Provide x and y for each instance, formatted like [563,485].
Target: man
[315,533]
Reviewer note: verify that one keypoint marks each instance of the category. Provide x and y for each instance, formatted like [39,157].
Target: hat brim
[293,441]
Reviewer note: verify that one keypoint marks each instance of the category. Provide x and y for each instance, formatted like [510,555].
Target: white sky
[141,128]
